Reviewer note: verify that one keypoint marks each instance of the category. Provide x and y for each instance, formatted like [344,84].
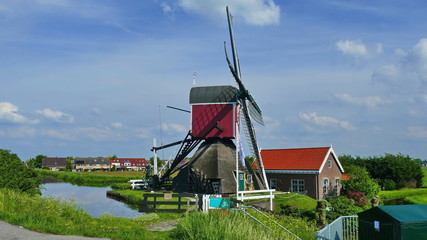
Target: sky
[89,78]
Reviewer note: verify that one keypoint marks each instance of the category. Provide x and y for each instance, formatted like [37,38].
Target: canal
[93,200]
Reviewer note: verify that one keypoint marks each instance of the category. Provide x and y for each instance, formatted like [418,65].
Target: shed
[394,222]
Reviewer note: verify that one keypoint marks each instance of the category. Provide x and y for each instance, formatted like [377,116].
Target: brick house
[137,164]
[315,172]
[54,163]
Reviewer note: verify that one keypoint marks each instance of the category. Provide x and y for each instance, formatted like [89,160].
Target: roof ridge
[296,148]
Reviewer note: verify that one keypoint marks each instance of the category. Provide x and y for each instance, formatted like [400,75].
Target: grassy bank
[92,178]
[63,217]
[402,193]
[302,201]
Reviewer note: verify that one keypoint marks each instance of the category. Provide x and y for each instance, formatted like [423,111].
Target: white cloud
[9,113]
[256,12]
[352,48]
[116,125]
[357,50]
[173,127]
[370,101]
[417,132]
[56,115]
[408,74]
[325,121]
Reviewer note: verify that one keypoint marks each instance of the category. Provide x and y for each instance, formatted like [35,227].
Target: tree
[402,170]
[35,162]
[159,162]
[360,182]
[69,163]
[15,174]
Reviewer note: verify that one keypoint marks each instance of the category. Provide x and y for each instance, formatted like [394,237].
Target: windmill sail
[250,109]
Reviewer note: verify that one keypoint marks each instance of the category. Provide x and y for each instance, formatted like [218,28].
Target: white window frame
[325,184]
[298,185]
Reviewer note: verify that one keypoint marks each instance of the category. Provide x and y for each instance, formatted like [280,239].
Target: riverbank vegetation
[92,178]
[63,217]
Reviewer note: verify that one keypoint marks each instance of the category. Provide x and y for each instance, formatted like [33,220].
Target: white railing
[241,195]
[343,228]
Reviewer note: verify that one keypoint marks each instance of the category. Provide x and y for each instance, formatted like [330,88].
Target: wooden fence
[185,200]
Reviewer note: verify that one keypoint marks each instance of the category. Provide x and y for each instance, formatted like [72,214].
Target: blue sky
[91,78]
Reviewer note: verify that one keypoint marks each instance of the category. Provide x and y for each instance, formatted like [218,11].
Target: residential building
[92,164]
[54,163]
[315,172]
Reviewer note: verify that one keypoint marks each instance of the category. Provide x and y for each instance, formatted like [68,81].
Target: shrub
[342,206]
[289,210]
[358,198]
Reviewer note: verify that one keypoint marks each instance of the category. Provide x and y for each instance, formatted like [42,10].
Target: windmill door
[241,181]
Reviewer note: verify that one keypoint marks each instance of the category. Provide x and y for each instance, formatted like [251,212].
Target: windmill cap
[213,94]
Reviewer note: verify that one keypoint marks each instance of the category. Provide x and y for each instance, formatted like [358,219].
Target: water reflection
[92,199]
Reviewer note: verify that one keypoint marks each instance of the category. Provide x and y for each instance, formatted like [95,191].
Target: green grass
[424,169]
[303,202]
[92,178]
[63,217]
[236,225]
[418,199]
[402,193]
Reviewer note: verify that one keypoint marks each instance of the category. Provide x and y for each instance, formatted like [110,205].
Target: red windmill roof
[296,159]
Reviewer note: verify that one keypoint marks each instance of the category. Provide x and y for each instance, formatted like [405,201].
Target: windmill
[216,115]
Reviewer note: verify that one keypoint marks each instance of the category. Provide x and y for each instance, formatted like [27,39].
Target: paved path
[12,232]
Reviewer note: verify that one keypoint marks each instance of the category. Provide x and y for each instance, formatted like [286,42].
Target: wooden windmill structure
[217,114]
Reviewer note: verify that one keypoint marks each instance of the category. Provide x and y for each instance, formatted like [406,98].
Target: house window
[273,183]
[325,185]
[329,163]
[298,185]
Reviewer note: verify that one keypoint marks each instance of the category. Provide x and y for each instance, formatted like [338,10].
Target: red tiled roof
[294,159]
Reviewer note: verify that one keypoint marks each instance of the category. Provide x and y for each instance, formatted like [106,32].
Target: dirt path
[12,232]
[163,226]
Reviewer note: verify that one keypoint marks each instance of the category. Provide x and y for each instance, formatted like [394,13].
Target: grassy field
[93,178]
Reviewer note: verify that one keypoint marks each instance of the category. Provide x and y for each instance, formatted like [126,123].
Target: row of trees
[389,171]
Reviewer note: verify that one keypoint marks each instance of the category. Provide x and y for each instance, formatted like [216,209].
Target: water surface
[92,199]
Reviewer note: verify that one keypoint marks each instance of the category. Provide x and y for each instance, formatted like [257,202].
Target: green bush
[387,184]
[15,174]
[342,206]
